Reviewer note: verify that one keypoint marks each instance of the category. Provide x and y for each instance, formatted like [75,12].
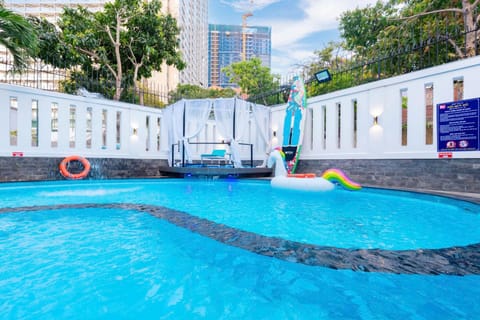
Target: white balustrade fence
[42,123]
[36,123]
[389,119]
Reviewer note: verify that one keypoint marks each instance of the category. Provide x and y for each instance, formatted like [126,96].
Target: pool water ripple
[457,260]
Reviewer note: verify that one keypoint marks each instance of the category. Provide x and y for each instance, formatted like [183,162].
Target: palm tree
[18,36]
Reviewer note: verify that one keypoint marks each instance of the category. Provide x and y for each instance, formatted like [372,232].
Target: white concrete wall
[131,146]
[382,99]
[142,145]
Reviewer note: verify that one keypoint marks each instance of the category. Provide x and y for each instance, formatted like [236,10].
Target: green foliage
[252,78]
[116,47]
[189,91]
[154,101]
[18,36]
[221,93]
[396,37]
[360,27]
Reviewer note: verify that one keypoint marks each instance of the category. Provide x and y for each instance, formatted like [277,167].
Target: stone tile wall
[33,169]
[458,175]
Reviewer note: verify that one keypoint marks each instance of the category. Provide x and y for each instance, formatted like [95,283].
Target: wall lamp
[375,120]
[135,131]
[274,133]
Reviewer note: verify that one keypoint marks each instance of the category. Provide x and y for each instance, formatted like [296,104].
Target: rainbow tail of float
[337,175]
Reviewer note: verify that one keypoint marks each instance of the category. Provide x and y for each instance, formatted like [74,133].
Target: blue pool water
[84,263]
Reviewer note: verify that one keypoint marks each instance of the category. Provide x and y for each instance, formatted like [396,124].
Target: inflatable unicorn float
[306,181]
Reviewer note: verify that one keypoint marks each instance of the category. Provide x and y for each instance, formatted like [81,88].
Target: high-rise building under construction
[228,44]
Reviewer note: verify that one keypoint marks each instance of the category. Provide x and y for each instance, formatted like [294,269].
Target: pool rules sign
[458,126]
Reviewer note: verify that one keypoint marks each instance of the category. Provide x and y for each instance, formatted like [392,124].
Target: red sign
[17,154]
[445,155]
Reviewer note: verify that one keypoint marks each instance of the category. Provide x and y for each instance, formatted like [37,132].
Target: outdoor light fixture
[135,131]
[323,76]
[274,133]
[375,120]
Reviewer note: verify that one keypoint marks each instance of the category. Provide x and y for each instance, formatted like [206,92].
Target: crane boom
[244,34]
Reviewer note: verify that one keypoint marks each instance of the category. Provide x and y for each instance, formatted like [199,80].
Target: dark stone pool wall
[457,175]
[40,168]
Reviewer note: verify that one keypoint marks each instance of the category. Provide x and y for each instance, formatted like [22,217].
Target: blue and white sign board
[458,126]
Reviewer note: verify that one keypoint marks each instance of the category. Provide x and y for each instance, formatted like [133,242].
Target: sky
[299,27]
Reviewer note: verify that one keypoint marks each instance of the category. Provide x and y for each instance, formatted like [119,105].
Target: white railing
[339,125]
[42,123]
[330,136]
[37,123]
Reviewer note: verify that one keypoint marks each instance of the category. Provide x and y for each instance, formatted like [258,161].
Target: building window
[429,113]
[458,89]
[355,123]
[89,115]
[147,140]
[34,123]
[311,121]
[54,125]
[404,115]
[324,127]
[118,131]
[104,129]
[72,129]
[339,125]
[13,121]
[159,123]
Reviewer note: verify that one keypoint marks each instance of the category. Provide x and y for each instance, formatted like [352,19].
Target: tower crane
[244,32]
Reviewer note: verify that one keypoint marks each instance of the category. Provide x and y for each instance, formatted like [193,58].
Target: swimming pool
[93,249]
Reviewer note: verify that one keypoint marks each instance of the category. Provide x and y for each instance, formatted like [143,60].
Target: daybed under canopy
[186,120]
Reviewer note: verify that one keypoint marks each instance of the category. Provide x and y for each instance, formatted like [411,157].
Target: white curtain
[224,109]
[196,117]
[174,120]
[242,119]
[261,114]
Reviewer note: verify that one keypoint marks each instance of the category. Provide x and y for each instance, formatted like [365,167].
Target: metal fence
[41,75]
[422,51]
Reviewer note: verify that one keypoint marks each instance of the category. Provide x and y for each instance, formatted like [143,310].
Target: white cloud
[318,15]
[248,5]
[284,63]
[287,35]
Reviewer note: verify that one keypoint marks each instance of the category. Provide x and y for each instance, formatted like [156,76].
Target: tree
[466,13]
[251,76]
[398,25]
[189,91]
[333,57]
[360,27]
[18,36]
[125,42]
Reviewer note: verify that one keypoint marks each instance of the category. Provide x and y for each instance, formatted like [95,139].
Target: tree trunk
[469,27]
[118,57]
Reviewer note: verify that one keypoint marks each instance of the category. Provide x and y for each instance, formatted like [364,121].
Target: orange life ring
[301,175]
[74,176]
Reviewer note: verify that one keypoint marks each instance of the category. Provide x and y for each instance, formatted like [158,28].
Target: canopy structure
[235,121]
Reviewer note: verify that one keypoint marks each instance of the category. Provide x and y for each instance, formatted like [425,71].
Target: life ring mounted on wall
[74,176]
